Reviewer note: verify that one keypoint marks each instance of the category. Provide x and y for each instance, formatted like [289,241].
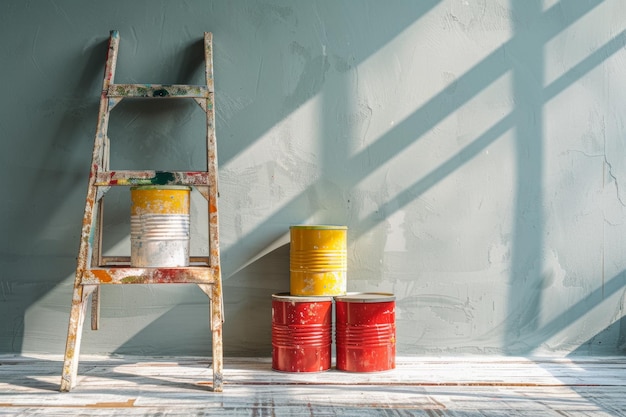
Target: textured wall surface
[475,149]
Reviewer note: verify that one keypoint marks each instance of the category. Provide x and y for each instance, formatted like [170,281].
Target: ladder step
[158,91]
[124,261]
[125,177]
[130,275]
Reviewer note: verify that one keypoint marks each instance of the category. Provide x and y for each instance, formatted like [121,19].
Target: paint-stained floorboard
[140,386]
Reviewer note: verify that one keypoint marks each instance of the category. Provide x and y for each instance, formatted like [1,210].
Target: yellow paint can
[159,226]
[318,260]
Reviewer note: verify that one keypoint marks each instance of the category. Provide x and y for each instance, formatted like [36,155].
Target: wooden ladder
[93,269]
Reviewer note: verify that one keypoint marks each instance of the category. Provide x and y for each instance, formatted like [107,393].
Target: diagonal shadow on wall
[522,55]
[54,177]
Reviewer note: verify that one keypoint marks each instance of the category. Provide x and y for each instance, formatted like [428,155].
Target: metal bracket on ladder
[93,269]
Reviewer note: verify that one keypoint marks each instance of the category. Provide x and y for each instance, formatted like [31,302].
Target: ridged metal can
[318,260]
[365,332]
[159,226]
[301,333]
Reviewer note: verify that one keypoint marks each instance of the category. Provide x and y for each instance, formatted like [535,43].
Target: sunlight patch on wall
[570,53]
[268,174]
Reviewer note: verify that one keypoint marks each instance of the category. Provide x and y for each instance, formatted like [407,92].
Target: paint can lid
[366,297]
[319,227]
[287,297]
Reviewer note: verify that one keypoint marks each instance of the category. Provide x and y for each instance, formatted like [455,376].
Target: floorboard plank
[457,386]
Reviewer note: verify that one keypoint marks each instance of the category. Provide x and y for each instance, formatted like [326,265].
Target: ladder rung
[124,177]
[124,261]
[158,91]
[129,275]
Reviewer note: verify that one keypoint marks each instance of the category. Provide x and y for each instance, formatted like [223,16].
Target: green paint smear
[160,93]
[162,178]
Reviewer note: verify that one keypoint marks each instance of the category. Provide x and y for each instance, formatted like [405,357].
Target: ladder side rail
[96,255]
[217,307]
[98,159]
[212,170]
[80,294]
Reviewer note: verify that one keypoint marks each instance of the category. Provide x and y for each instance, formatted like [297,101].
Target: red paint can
[301,333]
[366,332]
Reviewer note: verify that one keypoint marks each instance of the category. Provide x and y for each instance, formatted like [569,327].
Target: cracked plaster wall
[475,150]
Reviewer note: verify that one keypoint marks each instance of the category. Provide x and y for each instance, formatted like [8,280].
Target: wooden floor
[140,386]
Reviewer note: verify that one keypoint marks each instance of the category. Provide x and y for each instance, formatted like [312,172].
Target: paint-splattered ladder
[93,269]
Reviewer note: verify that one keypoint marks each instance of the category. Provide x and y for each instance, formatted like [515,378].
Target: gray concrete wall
[475,150]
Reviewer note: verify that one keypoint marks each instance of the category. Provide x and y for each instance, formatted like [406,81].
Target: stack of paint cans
[302,319]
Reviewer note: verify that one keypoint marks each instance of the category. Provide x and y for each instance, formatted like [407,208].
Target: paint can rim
[366,297]
[286,296]
[318,227]
[160,187]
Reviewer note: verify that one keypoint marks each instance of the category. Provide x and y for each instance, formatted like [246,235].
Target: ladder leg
[80,295]
[96,258]
[95,309]
[214,292]
[74,335]
[217,320]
